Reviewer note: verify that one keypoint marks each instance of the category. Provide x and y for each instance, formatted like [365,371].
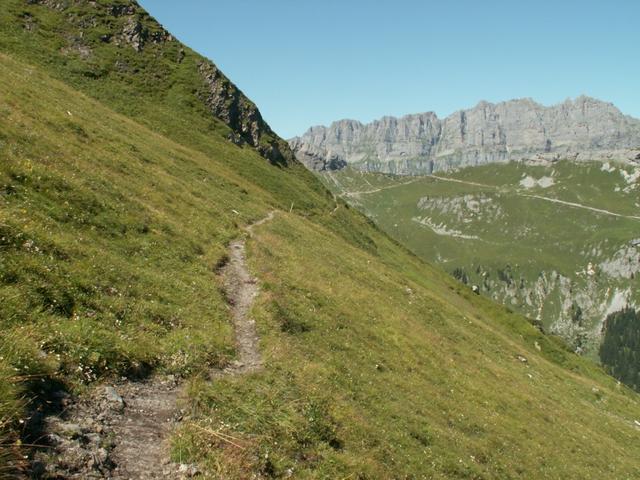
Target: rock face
[580,129]
[226,102]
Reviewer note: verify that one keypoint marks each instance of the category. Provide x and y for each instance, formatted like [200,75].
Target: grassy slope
[110,232]
[382,366]
[377,364]
[529,234]
[159,86]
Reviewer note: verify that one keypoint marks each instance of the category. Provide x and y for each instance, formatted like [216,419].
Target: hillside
[556,243]
[580,129]
[114,51]
[122,195]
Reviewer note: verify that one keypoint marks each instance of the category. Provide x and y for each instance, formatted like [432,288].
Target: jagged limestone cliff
[580,129]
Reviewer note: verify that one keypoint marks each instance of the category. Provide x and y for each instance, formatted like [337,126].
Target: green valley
[557,242]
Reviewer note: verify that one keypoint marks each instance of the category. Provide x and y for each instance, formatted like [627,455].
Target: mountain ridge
[108,45]
[583,128]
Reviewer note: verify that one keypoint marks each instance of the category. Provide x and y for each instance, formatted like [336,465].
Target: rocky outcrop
[226,102]
[580,129]
[92,30]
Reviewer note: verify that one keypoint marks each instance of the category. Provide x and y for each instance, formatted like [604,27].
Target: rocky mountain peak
[583,128]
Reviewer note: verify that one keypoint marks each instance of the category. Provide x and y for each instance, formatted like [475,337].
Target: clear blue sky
[311,62]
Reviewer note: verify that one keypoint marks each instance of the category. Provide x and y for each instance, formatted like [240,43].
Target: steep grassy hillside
[376,365]
[401,373]
[110,233]
[114,51]
[554,242]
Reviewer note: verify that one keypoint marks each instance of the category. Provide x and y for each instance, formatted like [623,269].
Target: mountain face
[580,129]
[113,49]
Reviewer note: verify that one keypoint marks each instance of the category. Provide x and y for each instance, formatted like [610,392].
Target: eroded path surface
[376,190]
[122,431]
[242,288]
[140,433]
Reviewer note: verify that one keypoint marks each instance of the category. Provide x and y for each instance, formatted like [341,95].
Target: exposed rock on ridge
[123,30]
[228,103]
[580,129]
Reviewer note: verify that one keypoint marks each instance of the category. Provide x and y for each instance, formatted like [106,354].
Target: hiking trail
[122,431]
